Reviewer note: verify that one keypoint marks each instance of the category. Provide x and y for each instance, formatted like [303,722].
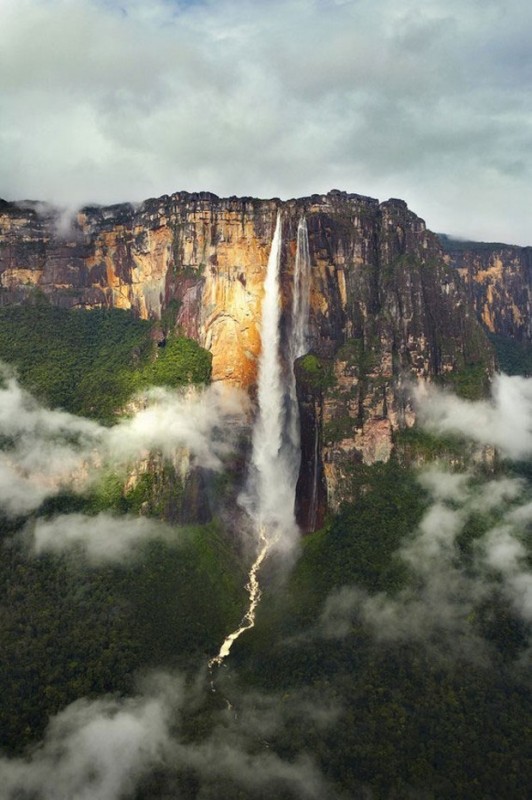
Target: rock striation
[498,280]
[386,305]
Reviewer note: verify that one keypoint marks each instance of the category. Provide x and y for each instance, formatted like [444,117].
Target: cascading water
[262,500]
[313,514]
[301,296]
[254,594]
[269,498]
[299,336]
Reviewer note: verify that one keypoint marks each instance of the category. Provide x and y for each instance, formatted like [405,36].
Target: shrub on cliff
[314,374]
[180,361]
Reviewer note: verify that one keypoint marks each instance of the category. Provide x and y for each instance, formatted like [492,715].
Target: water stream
[269,498]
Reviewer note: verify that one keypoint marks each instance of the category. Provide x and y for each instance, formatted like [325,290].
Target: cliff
[498,280]
[384,304]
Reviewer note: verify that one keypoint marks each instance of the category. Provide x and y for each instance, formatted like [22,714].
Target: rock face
[384,304]
[207,254]
[498,279]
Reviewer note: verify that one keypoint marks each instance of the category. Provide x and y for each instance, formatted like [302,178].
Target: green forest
[443,715]
[92,363]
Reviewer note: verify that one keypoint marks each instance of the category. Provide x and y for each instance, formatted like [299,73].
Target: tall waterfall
[271,467]
[299,339]
[269,498]
[274,467]
[301,296]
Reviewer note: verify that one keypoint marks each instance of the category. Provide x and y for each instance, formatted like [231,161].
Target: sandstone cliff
[384,305]
[498,279]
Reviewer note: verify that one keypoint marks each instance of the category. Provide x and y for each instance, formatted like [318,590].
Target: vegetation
[314,374]
[363,355]
[515,358]
[69,630]
[415,445]
[91,362]
[180,362]
[395,718]
[414,718]
[338,428]
[470,381]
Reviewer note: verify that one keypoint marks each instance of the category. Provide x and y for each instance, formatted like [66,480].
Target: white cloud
[443,596]
[102,748]
[198,419]
[101,538]
[94,748]
[107,102]
[45,450]
[506,554]
[440,602]
[505,421]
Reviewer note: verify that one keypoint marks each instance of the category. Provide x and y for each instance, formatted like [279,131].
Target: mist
[97,748]
[112,747]
[470,547]
[45,451]
[504,421]
[102,538]
[438,607]
[106,747]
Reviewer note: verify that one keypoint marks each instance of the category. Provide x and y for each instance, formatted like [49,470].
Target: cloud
[107,102]
[42,449]
[102,538]
[103,748]
[46,450]
[199,419]
[95,748]
[504,421]
[507,556]
[439,605]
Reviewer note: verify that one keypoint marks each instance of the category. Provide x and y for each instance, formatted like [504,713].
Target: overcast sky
[111,100]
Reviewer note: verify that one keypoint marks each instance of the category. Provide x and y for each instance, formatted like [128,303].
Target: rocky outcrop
[206,254]
[498,279]
[171,489]
[384,304]
[385,309]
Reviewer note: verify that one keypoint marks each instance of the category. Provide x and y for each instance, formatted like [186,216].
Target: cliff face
[498,280]
[207,254]
[384,305]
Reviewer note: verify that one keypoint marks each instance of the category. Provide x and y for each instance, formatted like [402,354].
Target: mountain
[498,280]
[181,382]
[385,305]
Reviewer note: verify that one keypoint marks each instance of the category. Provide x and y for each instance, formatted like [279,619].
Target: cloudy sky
[111,100]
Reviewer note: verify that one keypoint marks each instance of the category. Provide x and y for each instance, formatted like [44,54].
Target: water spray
[275,453]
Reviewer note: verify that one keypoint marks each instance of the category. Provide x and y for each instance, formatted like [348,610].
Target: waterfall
[314,494]
[301,296]
[269,498]
[273,495]
[275,458]
[299,339]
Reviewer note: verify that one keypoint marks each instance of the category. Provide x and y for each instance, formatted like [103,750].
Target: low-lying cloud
[104,748]
[504,421]
[96,748]
[440,602]
[101,538]
[47,450]
[445,590]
